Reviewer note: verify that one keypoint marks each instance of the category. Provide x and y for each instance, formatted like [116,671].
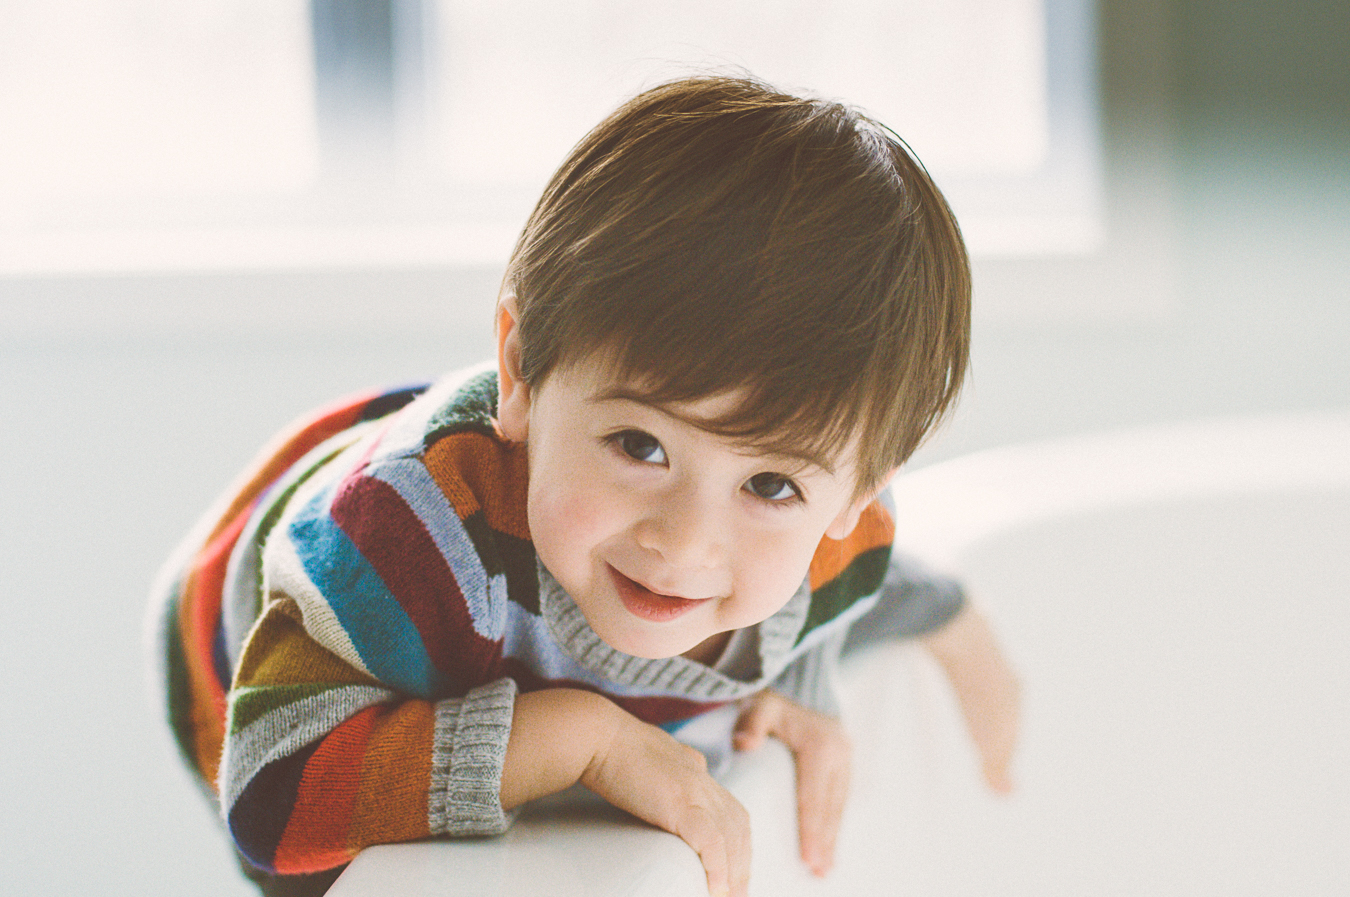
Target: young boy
[732,316]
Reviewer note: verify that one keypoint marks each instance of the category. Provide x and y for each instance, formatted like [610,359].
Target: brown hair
[715,234]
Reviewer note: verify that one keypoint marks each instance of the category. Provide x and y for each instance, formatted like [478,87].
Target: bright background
[178,278]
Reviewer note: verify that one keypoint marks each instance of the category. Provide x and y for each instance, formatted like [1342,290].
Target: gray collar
[777,640]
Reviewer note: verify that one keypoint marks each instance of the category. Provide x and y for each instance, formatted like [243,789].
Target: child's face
[663,533]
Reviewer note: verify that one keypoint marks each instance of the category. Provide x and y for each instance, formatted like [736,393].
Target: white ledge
[949,507]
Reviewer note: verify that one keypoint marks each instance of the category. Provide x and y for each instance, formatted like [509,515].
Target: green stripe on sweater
[251,703]
[179,688]
[860,578]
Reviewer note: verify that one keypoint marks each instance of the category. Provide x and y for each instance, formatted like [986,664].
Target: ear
[848,518]
[513,403]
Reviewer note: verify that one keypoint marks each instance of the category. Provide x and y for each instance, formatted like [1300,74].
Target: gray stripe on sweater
[280,733]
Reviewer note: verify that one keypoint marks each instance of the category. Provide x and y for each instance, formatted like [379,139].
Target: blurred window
[137,98]
[963,81]
[182,133]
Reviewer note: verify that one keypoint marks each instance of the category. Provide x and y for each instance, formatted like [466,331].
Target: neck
[709,650]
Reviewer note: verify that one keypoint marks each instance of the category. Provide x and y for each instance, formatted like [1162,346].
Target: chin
[648,648]
[640,641]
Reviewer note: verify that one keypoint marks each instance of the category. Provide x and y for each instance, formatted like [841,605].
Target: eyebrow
[805,456]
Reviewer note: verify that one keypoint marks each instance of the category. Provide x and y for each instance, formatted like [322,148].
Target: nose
[685,530]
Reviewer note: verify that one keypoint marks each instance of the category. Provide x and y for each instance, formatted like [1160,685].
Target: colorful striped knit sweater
[345,634]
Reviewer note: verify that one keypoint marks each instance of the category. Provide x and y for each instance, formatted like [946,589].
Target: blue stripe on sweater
[382,633]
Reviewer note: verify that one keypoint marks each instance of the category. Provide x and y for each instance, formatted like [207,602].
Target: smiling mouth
[652,606]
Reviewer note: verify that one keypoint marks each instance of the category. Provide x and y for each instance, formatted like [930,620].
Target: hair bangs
[715,236]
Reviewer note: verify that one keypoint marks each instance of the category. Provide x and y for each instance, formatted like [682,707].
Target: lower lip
[652,606]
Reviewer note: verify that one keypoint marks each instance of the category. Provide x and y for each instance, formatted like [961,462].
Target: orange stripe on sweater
[366,784]
[316,832]
[875,528]
[392,803]
[471,467]
[200,616]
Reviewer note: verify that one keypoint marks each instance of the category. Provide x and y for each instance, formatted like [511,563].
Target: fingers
[721,838]
[649,774]
[756,722]
[823,773]
[652,776]
[824,763]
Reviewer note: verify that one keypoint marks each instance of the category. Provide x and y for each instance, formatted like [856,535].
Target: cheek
[771,571]
[562,507]
[568,520]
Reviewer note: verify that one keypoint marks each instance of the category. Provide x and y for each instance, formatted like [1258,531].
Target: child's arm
[321,759]
[562,736]
[986,689]
[915,602]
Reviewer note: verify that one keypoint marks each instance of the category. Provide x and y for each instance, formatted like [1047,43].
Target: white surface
[1176,600]
[590,850]
[947,508]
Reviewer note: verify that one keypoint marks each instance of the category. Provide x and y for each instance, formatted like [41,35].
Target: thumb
[754,724]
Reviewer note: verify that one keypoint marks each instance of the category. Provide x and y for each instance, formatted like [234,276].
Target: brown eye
[772,487]
[640,446]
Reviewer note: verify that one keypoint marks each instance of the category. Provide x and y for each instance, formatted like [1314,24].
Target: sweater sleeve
[913,601]
[368,705]
[322,760]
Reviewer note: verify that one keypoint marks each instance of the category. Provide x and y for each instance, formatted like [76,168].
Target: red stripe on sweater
[395,542]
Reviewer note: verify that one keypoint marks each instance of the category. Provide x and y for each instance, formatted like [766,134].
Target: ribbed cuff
[467,758]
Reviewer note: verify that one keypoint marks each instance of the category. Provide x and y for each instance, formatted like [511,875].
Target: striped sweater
[345,633]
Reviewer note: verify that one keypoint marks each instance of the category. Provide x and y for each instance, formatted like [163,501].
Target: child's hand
[823,756]
[561,736]
[643,770]
[986,688]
